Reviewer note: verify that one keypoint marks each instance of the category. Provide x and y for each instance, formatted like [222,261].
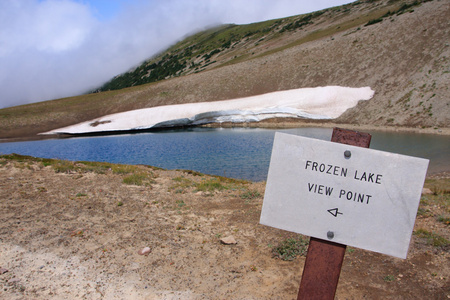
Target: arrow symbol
[335,212]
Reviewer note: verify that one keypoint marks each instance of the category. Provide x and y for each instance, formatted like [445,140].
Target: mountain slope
[398,48]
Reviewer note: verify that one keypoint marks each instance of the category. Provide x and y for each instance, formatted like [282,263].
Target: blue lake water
[242,153]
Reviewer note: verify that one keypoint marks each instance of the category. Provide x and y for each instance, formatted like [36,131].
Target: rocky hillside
[400,48]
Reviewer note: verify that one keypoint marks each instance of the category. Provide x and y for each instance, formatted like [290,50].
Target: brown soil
[76,235]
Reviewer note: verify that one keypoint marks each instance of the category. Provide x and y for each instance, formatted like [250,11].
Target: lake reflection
[242,153]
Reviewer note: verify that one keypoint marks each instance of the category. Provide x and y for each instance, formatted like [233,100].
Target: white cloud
[58,48]
[65,28]
[50,26]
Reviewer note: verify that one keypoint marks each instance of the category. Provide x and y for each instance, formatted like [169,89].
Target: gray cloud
[57,48]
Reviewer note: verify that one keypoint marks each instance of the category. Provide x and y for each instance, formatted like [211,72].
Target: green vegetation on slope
[331,46]
[198,51]
[190,55]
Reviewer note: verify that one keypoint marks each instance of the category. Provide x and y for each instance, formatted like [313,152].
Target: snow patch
[311,103]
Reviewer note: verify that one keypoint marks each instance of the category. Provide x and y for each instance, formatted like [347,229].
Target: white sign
[345,194]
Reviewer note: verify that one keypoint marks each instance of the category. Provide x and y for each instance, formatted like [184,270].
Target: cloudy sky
[57,48]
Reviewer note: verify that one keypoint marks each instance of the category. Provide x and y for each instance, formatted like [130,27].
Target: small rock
[229,240]
[3,271]
[427,191]
[144,251]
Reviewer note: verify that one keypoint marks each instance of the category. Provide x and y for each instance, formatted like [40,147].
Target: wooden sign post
[324,259]
[341,193]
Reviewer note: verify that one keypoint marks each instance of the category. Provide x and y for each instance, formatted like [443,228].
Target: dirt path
[73,231]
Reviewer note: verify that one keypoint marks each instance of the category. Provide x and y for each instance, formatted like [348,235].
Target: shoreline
[281,123]
[324,124]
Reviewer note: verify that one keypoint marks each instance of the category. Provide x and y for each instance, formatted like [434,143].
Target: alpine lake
[240,153]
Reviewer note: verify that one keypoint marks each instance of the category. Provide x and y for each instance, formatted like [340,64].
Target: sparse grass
[333,29]
[60,166]
[95,167]
[440,200]
[250,195]
[137,175]
[423,212]
[210,185]
[290,248]
[219,183]
[181,185]
[180,204]
[436,206]
[438,186]
[191,172]
[138,178]
[402,9]
[444,219]
[64,166]
[432,238]
[124,169]
[374,21]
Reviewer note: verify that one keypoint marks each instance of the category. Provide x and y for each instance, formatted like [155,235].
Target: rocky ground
[73,231]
